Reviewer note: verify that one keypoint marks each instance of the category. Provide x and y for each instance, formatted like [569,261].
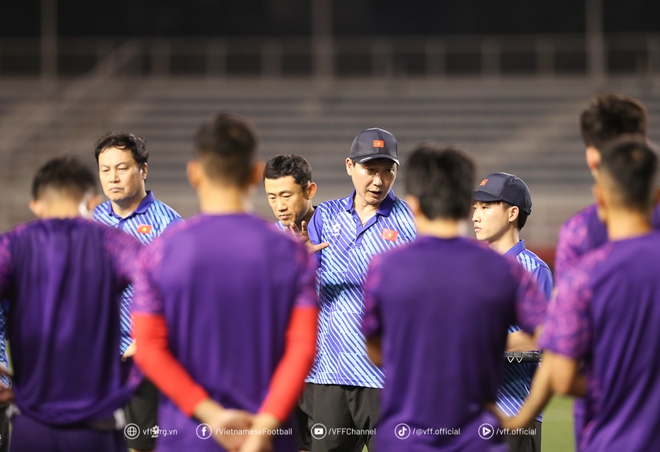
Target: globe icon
[132,431]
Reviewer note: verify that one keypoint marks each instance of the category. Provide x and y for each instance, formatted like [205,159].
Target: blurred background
[504,79]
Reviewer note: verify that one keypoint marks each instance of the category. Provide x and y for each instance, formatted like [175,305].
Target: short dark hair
[632,164]
[289,165]
[522,216]
[226,145]
[66,174]
[609,116]
[126,141]
[442,179]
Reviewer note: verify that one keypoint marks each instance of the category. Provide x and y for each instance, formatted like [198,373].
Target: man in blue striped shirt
[290,189]
[122,161]
[343,381]
[502,205]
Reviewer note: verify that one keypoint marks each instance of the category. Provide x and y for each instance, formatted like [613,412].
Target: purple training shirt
[607,314]
[226,286]
[581,233]
[63,279]
[443,308]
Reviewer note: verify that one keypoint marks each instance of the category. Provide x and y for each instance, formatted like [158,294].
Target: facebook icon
[204,431]
[402,431]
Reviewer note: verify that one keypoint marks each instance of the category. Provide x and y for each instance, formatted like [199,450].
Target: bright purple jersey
[443,308]
[63,279]
[226,286]
[607,314]
[581,233]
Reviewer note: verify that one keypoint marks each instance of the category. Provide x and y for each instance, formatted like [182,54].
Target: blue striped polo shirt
[517,378]
[4,309]
[341,357]
[147,222]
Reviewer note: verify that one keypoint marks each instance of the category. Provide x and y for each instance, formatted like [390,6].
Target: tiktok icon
[402,431]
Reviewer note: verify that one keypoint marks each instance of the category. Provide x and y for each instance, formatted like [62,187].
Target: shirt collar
[141,209]
[516,249]
[384,209]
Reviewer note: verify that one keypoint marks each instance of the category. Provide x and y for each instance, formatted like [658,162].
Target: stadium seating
[527,126]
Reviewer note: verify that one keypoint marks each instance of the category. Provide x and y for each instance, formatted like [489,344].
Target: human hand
[260,440]
[229,427]
[303,234]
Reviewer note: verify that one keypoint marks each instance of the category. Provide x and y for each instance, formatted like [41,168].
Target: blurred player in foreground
[448,298]
[223,332]
[502,204]
[601,338]
[63,276]
[607,117]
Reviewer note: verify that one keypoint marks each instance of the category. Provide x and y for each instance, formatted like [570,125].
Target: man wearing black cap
[502,204]
[342,397]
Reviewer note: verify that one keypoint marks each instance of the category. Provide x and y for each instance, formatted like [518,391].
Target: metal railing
[432,56]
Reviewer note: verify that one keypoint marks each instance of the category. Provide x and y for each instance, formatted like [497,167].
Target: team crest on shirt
[389,234]
[144,229]
[335,229]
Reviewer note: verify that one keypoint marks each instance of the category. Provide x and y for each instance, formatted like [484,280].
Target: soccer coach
[343,381]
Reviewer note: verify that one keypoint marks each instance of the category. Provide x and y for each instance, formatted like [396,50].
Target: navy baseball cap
[505,187]
[373,144]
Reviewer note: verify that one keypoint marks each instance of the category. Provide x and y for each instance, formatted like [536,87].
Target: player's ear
[413,203]
[310,191]
[350,165]
[257,175]
[144,170]
[593,159]
[37,208]
[194,173]
[93,202]
[514,211]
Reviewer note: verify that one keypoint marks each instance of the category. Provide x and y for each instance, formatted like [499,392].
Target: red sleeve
[155,359]
[289,377]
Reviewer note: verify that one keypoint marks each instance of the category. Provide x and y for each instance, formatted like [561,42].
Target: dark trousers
[4,429]
[526,443]
[336,414]
[301,419]
[142,410]
[30,435]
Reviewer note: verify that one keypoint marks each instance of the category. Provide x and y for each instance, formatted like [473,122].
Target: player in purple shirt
[607,117]
[438,331]
[602,331]
[225,310]
[63,277]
